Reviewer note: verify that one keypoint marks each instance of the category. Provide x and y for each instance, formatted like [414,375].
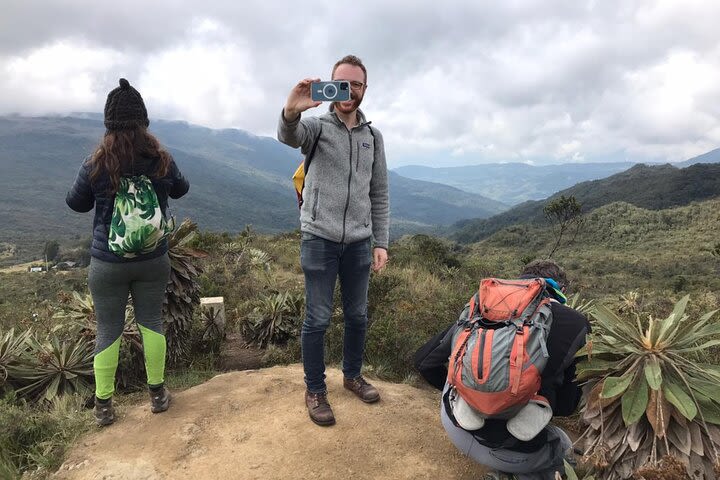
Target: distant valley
[514,183]
[236,178]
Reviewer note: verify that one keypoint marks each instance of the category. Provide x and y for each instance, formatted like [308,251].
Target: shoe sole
[323,424]
[373,400]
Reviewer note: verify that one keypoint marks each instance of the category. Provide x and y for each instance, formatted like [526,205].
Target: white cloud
[63,76]
[541,80]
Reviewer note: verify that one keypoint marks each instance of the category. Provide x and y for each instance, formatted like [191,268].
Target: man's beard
[356,101]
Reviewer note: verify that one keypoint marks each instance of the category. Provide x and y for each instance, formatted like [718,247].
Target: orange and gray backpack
[500,349]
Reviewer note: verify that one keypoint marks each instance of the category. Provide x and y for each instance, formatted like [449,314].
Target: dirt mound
[253,425]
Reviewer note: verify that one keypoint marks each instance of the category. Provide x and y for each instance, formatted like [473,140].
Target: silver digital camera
[336,91]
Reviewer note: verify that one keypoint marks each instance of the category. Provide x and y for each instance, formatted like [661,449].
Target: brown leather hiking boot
[362,389]
[319,408]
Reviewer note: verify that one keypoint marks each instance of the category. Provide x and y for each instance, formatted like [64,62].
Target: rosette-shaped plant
[650,393]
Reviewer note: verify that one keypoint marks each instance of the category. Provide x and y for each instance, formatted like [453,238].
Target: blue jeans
[322,262]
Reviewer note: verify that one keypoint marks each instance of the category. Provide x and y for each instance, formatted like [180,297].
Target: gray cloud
[457,82]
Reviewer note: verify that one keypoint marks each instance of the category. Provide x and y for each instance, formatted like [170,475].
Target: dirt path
[253,425]
[235,355]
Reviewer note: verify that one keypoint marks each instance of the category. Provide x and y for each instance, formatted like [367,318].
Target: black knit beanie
[125,109]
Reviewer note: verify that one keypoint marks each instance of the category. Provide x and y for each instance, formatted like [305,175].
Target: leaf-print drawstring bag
[137,226]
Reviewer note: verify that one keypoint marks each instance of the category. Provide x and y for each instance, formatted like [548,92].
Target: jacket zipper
[347,200]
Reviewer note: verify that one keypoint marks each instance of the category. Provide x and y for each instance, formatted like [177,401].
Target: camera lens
[330,91]
[344,86]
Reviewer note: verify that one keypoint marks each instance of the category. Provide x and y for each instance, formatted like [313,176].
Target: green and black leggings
[110,283]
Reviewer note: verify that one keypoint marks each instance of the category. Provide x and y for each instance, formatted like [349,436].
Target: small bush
[275,319]
[34,439]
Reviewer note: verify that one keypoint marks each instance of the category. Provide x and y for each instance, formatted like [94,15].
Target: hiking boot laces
[319,399]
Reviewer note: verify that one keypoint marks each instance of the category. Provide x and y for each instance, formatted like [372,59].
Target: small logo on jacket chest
[365,145]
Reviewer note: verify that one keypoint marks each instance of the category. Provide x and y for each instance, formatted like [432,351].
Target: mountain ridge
[515,182]
[236,177]
[651,187]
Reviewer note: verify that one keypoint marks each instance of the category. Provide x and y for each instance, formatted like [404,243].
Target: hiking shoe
[497,475]
[319,409]
[362,389]
[160,400]
[104,413]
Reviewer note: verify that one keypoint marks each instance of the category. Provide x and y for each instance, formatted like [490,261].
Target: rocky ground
[253,425]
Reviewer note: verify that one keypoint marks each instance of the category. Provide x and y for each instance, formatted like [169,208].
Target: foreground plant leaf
[649,396]
[615,386]
[680,399]
[653,372]
[635,400]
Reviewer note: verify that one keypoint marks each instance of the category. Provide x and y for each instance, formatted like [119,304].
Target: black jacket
[84,194]
[567,336]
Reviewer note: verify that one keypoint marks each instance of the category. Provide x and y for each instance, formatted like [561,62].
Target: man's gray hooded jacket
[345,198]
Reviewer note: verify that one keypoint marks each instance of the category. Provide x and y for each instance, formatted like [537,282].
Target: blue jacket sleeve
[81,197]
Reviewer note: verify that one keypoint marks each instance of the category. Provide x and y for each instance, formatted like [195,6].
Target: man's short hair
[545,269]
[350,60]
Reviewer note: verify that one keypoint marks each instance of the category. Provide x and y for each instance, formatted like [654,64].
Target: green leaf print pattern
[137,225]
[145,199]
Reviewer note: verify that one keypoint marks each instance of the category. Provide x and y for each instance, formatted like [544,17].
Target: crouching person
[506,367]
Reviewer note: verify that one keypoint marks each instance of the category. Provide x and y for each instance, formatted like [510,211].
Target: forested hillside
[650,187]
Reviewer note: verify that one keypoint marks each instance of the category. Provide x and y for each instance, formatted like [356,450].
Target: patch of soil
[253,425]
[236,355]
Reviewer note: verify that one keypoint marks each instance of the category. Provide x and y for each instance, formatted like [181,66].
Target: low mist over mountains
[513,183]
[236,179]
[650,187]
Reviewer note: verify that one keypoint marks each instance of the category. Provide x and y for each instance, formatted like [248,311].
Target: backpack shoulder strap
[310,155]
[372,133]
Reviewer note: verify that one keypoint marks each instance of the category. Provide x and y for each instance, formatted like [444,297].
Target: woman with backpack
[128,180]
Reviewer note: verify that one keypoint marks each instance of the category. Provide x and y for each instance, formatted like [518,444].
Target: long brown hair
[119,148]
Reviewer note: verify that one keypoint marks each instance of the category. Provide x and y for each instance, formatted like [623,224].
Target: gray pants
[110,283]
[539,465]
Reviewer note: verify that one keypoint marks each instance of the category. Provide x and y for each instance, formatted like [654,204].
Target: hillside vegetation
[623,247]
[659,253]
[626,257]
[650,187]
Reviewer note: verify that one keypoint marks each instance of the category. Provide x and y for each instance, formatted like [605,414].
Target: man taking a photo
[344,224]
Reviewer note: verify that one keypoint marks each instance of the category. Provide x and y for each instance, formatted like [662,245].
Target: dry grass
[669,468]
[21,267]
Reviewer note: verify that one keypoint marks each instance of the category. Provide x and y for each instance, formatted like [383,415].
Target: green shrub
[52,368]
[33,438]
[275,319]
[207,334]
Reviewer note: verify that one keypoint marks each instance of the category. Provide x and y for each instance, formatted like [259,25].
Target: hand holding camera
[300,99]
[311,92]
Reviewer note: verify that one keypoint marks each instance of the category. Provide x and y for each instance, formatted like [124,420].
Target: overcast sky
[450,83]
